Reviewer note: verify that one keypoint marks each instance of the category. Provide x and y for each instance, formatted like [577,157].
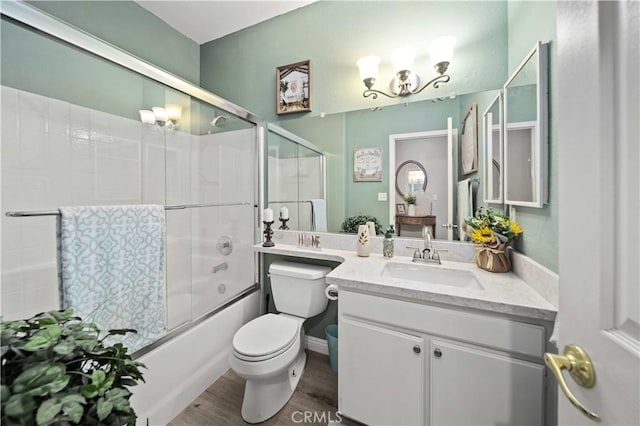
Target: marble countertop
[502,293]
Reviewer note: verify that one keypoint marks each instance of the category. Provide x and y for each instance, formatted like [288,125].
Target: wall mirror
[492,142]
[411,177]
[525,138]
[425,133]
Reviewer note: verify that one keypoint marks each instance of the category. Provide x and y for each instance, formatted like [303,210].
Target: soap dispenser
[387,243]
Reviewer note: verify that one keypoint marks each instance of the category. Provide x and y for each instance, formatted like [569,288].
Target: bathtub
[185,366]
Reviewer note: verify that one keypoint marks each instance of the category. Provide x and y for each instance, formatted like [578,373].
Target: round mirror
[411,176]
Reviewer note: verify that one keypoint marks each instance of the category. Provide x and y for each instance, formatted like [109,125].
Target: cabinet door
[470,386]
[381,375]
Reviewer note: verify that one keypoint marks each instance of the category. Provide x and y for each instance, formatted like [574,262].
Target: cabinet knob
[417,349]
[437,353]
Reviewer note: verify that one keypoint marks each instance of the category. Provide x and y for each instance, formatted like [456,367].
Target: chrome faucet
[220,267]
[428,247]
[429,254]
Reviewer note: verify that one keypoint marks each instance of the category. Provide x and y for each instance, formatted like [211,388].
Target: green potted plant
[352,223]
[58,370]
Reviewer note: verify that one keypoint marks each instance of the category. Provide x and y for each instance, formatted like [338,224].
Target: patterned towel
[112,261]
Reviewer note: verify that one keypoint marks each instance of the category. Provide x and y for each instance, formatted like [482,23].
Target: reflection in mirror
[295,181]
[492,120]
[525,139]
[423,153]
[411,177]
[338,135]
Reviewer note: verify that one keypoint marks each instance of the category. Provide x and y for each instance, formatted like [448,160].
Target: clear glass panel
[310,185]
[72,135]
[283,177]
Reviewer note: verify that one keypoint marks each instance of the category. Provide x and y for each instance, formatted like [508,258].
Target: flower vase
[493,259]
[363,246]
[387,247]
[411,211]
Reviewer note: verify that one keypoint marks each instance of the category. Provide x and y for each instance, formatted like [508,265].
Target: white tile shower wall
[55,154]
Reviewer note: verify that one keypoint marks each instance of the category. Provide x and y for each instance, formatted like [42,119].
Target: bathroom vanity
[462,346]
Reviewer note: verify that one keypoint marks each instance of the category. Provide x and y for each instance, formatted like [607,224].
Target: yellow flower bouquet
[495,232]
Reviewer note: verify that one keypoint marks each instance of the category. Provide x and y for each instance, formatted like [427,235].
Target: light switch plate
[382,196]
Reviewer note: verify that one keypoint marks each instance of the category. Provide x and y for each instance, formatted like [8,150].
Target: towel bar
[178,207]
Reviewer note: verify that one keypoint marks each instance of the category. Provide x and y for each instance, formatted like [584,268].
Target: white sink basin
[402,272]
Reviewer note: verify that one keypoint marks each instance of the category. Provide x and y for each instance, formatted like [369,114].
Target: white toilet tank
[298,288]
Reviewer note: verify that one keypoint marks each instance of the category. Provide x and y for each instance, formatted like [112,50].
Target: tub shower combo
[114,130]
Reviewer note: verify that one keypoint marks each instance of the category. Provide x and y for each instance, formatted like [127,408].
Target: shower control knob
[437,353]
[417,349]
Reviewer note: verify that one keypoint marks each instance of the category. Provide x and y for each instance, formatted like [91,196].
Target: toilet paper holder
[331,292]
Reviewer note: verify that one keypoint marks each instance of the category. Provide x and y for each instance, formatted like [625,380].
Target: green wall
[334,34]
[130,27]
[529,22]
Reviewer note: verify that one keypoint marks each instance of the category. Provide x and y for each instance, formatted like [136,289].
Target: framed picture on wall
[401,209]
[469,141]
[367,165]
[293,88]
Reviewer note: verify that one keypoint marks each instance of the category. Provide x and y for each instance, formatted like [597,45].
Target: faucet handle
[436,254]
[416,252]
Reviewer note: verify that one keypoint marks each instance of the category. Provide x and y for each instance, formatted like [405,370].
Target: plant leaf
[64,348]
[106,385]
[48,410]
[90,391]
[44,338]
[38,376]
[104,409]
[117,393]
[62,315]
[97,377]
[5,392]
[73,397]
[74,410]
[19,405]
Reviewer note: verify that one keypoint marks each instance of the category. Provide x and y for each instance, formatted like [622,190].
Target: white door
[598,140]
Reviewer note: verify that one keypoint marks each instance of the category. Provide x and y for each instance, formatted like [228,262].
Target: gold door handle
[576,361]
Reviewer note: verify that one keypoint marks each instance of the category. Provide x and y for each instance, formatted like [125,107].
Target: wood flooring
[316,394]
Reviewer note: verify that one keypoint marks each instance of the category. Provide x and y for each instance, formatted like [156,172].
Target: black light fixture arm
[441,79]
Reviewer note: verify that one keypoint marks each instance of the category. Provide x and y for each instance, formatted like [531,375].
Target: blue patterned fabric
[112,262]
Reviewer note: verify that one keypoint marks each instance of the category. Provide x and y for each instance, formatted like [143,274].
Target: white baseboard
[316,344]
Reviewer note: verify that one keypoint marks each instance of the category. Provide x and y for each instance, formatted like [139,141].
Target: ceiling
[206,20]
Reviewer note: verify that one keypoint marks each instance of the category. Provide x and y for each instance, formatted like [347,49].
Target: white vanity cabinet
[406,363]
[381,374]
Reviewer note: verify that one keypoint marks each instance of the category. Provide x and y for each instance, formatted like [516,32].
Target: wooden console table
[416,220]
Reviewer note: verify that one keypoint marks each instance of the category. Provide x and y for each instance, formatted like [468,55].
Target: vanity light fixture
[406,81]
[168,116]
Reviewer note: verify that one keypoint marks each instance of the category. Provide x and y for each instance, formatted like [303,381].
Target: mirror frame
[487,135]
[540,149]
[417,163]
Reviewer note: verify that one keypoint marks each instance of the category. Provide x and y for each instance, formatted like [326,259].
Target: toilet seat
[265,337]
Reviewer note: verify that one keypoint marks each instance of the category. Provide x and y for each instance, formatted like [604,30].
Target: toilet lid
[265,335]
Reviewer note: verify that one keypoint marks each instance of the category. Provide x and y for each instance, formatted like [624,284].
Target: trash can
[332,341]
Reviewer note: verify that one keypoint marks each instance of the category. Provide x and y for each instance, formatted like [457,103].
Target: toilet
[268,352]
